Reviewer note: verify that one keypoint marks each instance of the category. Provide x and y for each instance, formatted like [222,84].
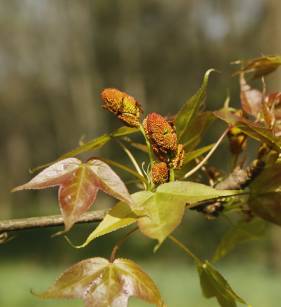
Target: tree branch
[47,221]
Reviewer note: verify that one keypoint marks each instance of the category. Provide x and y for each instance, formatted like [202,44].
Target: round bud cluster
[160,133]
[160,172]
[124,106]
[163,139]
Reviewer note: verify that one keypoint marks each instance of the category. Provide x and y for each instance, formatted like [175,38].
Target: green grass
[178,284]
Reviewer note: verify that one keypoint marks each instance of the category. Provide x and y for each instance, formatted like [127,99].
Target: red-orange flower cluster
[160,173]
[123,105]
[163,139]
[160,133]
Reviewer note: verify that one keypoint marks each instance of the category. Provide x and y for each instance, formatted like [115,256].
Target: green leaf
[100,283]
[120,216]
[78,184]
[192,155]
[212,282]
[191,108]
[192,192]
[162,214]
[214,285]
[163,211]
[91,145]
[242,232]
[265,194]
[253,130]
[198,127]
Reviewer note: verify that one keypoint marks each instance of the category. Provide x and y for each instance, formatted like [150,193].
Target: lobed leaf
[100,283]
[78,185]
[163,211]
[243,231]
[213,284]
[162,214]
[120,216]
[189,111]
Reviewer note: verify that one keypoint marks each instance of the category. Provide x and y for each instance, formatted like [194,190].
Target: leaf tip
[73,245]
[59,233]
[157,246]
[18,188]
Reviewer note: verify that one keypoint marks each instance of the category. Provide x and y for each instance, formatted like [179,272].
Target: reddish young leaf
[252,129]
[261,66]
[272,112]
[78,185]
[101,283]
[251,99]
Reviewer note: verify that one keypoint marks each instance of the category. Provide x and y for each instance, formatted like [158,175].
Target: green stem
[172,174]
[120,243]
[198,166]
[185,249]
[131,157]
[150,154]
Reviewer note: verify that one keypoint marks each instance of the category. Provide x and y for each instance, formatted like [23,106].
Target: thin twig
[148,145]
[184,248]
[196,168]
[131,157]
[47,221]
[120,243]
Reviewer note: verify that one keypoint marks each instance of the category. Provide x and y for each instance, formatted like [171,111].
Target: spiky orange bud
[160,173]
[123,105]
[179,157]
[160,133]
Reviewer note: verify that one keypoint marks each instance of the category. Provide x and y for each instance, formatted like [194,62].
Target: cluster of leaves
[172,150]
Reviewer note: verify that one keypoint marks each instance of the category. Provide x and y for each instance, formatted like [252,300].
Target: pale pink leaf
[101,283]
[108,181]
[78,185]
[251,99]
[52,176]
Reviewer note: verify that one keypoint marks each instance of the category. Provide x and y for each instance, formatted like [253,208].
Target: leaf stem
[150,154]
[185,249]
[120,243]
[172,174]
[131,157]
[197,167]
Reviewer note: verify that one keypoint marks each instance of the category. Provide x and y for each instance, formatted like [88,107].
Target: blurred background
[55,57]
